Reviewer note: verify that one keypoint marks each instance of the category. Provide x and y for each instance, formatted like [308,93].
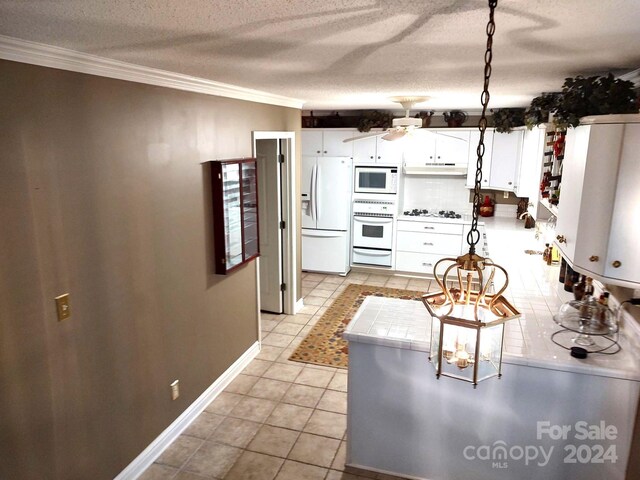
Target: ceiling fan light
[407,122]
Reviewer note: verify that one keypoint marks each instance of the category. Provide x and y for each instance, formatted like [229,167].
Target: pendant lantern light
[469,311]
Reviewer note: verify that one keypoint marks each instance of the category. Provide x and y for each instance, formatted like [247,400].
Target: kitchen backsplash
[436,193]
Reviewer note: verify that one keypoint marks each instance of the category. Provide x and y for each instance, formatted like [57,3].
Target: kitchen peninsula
[529,424]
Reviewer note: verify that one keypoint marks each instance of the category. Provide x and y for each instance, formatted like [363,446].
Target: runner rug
[324,344]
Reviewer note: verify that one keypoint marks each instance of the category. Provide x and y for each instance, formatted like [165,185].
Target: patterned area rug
[324,344]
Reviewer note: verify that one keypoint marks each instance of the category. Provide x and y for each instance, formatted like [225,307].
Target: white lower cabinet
[419,245]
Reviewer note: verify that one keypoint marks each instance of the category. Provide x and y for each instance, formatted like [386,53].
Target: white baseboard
[298,306]
[155,448]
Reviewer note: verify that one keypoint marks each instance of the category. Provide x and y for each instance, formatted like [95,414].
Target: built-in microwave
[376,179]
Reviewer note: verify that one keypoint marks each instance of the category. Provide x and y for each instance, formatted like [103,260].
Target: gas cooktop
[416,212]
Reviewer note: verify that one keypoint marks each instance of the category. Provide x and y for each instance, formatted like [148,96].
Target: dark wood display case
[235,213]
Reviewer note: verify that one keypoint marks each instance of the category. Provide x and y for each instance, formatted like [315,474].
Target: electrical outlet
[62,307]
[175,390]
[505,194]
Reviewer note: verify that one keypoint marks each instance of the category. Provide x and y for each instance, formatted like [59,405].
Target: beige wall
[103,194]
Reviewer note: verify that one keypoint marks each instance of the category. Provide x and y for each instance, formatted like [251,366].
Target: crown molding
[34,53]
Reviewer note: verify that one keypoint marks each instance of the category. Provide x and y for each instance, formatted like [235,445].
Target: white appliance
[373,232]
[326,208]
[376,179]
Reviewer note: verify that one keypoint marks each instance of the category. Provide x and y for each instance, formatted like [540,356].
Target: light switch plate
[62,307]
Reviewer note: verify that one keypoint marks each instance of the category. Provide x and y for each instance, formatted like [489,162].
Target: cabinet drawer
[429,243]
[430,227]
[416,262]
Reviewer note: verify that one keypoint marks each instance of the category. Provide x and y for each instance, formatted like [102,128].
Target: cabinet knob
[429,244]
[594,258]
[561,239]
[616,264]
[378,157]
[429,228]
[325,151]
[431,157]
[438,157]
[510,183]
[371,157]
[317,151]
[425,264]
[485,180]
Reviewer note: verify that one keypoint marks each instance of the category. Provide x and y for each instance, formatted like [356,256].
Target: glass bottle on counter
[588,288]
[563,270]
[546,255]
[569,279]
[579,289]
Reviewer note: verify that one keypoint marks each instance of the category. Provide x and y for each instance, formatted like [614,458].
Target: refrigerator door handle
[313,193]
[317,195]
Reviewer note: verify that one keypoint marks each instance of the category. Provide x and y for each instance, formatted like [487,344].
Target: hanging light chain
[474,235]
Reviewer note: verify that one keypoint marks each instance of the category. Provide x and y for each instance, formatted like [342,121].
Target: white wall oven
[376,179]
[372,232]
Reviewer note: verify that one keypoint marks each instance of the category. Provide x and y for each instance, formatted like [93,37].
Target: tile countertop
[533,288]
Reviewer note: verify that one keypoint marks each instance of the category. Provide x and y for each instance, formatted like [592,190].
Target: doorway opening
[277,277]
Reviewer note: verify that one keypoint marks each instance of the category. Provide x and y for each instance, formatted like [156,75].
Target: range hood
[434,168]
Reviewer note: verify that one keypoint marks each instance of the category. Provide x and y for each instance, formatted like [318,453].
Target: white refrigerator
[326,184]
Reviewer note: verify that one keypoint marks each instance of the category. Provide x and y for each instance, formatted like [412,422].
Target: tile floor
[278,419]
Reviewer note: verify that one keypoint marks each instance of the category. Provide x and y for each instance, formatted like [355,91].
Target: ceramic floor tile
[268,325]
[313,300]
[213,459]
[242,384]
[333,401]
[299,318]
[184,475]
[204,425]
[158,472]
[341,457]
[309,310]
[319,292]
[288,328]
[314,377]
[179,451]
[224,403]
[235,432]
[257,367]
[339,382]
[277,340]
[298,471]
[274,441]
[315,450]
[269,389]
[283,372]
[293,417]
[303,395]
[269,353]
[255,466]
[255,409]
[327,424]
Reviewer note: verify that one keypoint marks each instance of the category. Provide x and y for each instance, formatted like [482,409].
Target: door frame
[288,199]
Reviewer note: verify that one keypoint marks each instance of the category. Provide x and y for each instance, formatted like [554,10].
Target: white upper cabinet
[599,207]
[473,158]
[505,158]
[425,147]
[528,170]
[376,150]
[327,143]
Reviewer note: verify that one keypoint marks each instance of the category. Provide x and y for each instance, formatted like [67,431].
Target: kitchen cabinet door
[474,138]
[530,164]
[592,154]
[328,143]
[452,146]
[389,151]
[505,156]
[420,148]
[364,150]
[311,142]
[625,229]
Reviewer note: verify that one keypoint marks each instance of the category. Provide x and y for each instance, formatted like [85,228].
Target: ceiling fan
[400,126]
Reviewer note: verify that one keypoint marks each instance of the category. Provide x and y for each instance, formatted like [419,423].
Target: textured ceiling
[350,53]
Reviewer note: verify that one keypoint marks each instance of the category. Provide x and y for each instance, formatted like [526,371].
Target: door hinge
[283,287]
[281,158]
[282,225]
